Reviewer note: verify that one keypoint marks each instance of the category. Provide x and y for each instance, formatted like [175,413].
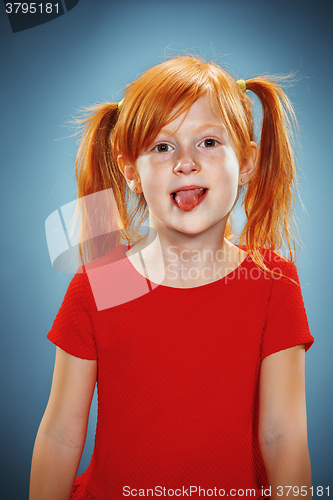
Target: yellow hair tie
[242,85]
[120,103]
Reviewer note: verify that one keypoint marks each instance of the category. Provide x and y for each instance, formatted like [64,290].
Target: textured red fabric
[178,373]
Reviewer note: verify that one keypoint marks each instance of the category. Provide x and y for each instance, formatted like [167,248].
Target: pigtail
[97,171]
[270,197]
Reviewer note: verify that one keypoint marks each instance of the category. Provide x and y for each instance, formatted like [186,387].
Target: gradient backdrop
[88,54]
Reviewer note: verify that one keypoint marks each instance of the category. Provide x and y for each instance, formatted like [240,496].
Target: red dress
[178,373]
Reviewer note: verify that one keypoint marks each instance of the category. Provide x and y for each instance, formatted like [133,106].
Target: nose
[186,162]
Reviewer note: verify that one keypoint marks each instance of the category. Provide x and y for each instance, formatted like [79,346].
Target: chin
[193,229]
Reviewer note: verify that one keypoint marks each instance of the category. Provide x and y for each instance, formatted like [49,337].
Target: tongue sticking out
[187,200]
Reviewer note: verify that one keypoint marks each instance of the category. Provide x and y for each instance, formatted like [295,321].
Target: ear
[247,168]
[130,174]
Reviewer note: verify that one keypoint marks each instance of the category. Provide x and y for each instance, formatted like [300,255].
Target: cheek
[227,173]
[232,169]
[151,184]
[227,177]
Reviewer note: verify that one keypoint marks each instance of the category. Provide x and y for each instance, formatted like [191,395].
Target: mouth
[188,197]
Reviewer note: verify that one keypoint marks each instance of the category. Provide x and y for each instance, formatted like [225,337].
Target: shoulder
[99,282]
[114,255]
[279,267]
[79,292]
[279,264]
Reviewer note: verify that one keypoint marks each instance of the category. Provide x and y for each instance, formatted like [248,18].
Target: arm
[62,432]
[282,421]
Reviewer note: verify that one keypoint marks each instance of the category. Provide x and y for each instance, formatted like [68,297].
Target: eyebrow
[212,125]
[198,130]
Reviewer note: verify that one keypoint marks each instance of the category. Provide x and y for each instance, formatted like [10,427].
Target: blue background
[85,56]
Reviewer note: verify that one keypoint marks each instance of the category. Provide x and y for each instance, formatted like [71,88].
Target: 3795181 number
[302,491]
[32,8]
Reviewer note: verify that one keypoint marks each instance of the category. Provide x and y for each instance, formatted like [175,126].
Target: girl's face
[191,153]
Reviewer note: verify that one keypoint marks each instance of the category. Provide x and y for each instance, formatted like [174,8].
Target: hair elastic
[242,85]
[120,103]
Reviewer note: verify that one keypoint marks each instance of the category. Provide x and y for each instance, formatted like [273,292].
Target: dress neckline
[225,278]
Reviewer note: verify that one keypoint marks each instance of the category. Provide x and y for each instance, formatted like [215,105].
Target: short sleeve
[286,321]
[72,329]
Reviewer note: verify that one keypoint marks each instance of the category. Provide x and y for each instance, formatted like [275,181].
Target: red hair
[150,103]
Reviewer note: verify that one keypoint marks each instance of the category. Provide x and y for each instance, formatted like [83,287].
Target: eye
[162,148]
[209,143]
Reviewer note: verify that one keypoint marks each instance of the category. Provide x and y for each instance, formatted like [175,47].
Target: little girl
[197,345]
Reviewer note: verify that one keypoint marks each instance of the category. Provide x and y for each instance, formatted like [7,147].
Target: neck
[185,260]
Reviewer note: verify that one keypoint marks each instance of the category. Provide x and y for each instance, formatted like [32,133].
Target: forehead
[202,114]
